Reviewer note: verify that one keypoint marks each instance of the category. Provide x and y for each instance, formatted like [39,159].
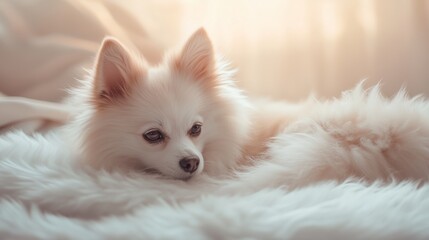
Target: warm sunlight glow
[366,16]
[286,47]
[330,22]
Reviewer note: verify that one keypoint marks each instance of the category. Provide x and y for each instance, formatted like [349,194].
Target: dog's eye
[153,136]
[195,130]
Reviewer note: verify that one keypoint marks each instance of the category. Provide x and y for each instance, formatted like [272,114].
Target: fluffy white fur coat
[44,195]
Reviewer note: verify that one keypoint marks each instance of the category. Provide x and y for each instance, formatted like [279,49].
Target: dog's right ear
[197,56]
[116,71]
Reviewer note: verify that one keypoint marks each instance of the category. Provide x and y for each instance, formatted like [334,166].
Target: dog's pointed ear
[116,70]
[197,56]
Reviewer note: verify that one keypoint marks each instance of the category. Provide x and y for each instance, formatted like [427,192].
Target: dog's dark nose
[189,164]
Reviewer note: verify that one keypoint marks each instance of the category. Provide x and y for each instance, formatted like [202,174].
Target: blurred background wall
[284,49]
[287,49]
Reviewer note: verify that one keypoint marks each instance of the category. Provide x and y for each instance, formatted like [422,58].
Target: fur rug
[45,195]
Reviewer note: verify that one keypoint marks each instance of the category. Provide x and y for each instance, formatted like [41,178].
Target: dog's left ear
[116,70]
[197,56]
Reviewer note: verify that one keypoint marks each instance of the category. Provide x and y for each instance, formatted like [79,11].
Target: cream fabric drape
[44,45]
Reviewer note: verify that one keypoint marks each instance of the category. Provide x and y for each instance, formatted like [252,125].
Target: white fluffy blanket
[327,211]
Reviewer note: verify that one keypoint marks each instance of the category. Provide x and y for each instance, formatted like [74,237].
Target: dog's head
[179,118]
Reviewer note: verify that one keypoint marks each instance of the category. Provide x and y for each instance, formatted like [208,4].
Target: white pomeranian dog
[179,119]
[186,116]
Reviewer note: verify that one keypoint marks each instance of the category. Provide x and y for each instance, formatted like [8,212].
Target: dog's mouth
[186,178]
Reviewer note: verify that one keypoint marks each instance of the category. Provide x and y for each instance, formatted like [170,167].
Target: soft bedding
[48,197]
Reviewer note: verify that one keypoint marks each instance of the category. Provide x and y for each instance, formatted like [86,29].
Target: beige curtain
[288,48]
[283,48]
